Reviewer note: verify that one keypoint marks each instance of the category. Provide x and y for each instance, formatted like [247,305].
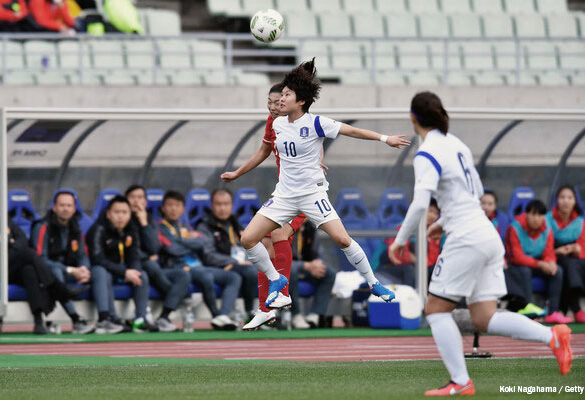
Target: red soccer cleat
[453,389]
[560,344]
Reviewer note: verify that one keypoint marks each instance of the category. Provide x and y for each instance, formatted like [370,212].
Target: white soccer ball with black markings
[267,25]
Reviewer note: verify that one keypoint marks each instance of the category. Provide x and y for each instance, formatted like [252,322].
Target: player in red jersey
[278,242]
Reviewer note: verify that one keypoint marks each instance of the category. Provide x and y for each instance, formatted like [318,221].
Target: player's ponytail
[429,112]
[301,80]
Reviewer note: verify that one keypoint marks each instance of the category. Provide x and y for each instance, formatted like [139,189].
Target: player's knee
[481,321]
[248,241]
[343,241]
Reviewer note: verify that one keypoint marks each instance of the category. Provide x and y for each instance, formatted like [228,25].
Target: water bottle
[188,319]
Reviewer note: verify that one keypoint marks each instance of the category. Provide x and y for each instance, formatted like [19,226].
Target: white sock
[518,326]
[356,257]
[450,345]
[258,255]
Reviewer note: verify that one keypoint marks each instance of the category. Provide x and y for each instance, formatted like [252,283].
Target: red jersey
[270,138]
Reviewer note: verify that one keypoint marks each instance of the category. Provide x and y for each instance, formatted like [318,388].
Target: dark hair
[63,192]
[577,208]
[429,112]
[491,193]
[301,80]
[219,191]
[536,207]
[117,199]
[173,194]
[276,88]
[134,187]
[434,203]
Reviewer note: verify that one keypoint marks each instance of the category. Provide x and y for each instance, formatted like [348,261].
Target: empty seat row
[433,25]
[243,8]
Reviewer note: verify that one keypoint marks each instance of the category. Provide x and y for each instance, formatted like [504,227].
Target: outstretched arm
[358,133]
[257,158]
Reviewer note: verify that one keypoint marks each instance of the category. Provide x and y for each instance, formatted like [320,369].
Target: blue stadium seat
[84,220]
[354,214]
[16,293]
[539,285]
[102,201]
[392,208]
[197,202]
[246,203]
[154,198]
[306,289]
[521,196]
[21,210]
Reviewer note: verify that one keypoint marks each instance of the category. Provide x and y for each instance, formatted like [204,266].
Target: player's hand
[141,215]
[81,274]
[395,253]
[133,276]
[435,231]
[397,141]
[229,176]
[324,168]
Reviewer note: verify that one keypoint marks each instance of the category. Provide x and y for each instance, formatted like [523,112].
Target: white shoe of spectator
[298,322]
[164,325]
[313,320]
[260,318]
[223,323]
[107,326]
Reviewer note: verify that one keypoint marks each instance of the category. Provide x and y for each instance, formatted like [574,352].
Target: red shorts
[295,224]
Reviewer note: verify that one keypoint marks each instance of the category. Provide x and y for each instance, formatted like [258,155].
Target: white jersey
[299,145]
[444,165]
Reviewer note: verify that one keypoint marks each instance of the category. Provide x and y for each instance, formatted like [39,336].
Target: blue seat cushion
[306,289]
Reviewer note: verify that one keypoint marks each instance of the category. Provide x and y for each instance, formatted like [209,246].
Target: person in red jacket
[12,12]
[530,252]
[52,15]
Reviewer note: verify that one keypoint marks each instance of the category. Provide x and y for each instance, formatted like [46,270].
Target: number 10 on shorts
[323,206]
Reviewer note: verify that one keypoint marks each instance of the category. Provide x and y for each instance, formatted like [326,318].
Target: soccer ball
[267,25]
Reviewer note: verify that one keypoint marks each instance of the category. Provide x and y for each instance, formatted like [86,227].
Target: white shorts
[475,272]
[315,206]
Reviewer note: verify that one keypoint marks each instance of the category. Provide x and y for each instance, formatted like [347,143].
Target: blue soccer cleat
[274,288]
[382,292]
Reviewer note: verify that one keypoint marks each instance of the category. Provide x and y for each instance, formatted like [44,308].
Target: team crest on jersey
[304,132]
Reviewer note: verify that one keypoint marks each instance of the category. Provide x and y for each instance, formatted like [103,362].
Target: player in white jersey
[302,187]
[471,262]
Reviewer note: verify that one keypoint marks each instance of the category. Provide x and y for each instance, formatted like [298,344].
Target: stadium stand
[197,202]
[102,201]
[154,198]
[246,203]
[392,208]
[21,210]
[520,197]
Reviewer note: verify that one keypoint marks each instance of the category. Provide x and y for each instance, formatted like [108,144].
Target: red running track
[342,349]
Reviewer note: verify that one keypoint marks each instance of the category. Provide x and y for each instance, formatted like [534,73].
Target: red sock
[263,289]
[283,260]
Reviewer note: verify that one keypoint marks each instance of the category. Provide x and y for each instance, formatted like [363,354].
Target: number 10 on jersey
[290,149]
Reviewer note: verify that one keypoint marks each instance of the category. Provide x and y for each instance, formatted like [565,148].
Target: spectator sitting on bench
[183,248]
[172,283]
[58,240]
[530,252]
[115,257]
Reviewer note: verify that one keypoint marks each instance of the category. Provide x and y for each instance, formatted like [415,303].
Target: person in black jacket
[27,269]
[173,283]
[58,240]
[224,229]
[115,256]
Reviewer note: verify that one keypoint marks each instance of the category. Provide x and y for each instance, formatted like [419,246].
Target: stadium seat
[306,288]
[21,210]
[385,55]
[207,54]
[578,79]
[359,6]
[505,55]
[530,26]
[107,54]
[457,78]
[465,25]
[325,6]
[163,22]
[246,203]
[40,55]
[392,208]
[52,78]
[347,55]
[433,25]
[477,55]
[423,6]
[539,285]
[527,78]
[363,77]
[216,78]
[354,214]
[285,6]
[562,26]
[103,198]
[394,6]
[520,197]
[572,55]
[487,6]
[251,7]
[85,221]
[519,6]
[154,198]
[455,6]
[413,55]
[540,55]
[140,54]
[16,293]
[184,78]
[335,24]
[197,203]
[224,7]
[497,26]
[69,54]
[390,78]
[401,25]
[437,54]
[551,6]
[368,25]
[20,78]
[318,49]
[423,79]
[119,78]
[553,78]
[250,79]
[300,24]
[488,78]
[174,54]
[14,54]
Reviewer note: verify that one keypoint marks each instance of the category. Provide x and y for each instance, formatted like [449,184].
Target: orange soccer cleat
[453,389]
[560,344]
